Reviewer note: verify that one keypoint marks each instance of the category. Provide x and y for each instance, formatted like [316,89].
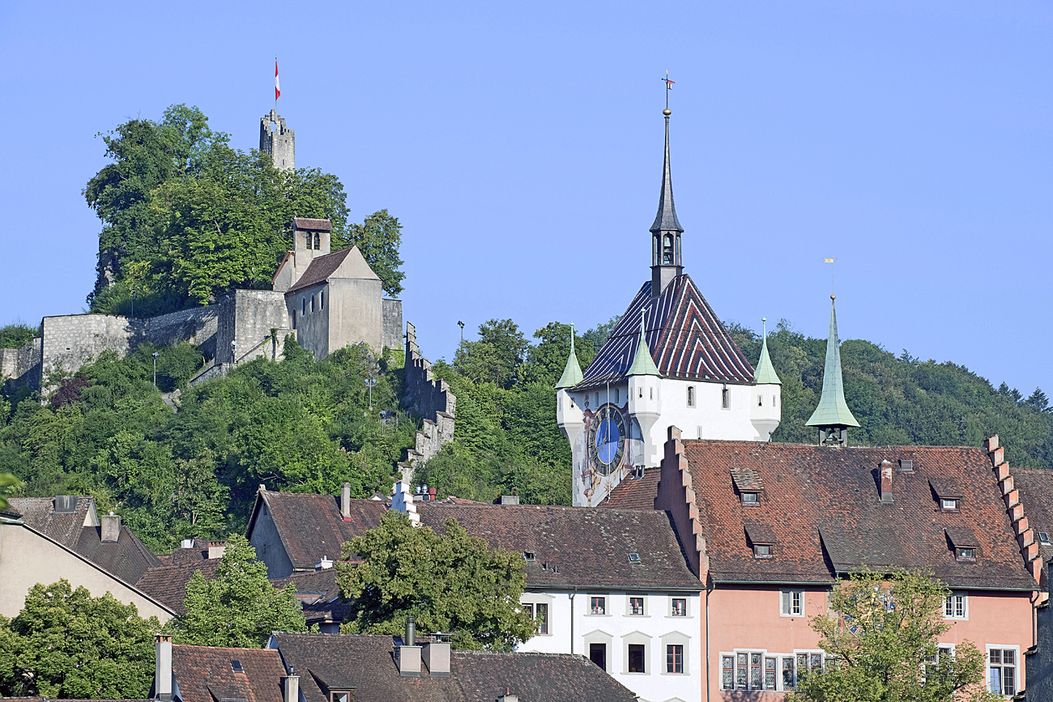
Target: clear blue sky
[520,145]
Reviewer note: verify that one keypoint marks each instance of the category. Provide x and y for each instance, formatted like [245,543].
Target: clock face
[606,439]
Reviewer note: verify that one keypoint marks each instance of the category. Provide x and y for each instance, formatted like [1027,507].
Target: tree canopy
[449,581]
[239,606]
[66,643]
[881,642]
[379,238]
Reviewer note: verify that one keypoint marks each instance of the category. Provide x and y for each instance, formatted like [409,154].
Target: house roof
[324,267]
[167,583]
[685,338]
[310,526]
[312,225]
[126,559]
[822,509]
[319,595]
[365,665]
[1036,495]
[574,547]
[206,674]
[635,493]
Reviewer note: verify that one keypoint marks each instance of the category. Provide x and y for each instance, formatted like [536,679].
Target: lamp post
[155,355]
[461,325]
[370,382]
[233,351]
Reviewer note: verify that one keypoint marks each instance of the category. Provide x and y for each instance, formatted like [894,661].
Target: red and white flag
[277,87]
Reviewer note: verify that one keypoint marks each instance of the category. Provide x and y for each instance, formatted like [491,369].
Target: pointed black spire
[665,220]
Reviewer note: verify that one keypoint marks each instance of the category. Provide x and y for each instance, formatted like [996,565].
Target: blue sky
[520,145]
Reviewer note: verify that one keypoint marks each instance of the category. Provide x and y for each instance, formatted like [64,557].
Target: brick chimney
[409,652]
[885,485]
[111,528]
[437,658]
[291,686]
[163,667]
[345,502]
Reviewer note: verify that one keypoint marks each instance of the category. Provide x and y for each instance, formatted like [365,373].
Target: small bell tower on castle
[278,140]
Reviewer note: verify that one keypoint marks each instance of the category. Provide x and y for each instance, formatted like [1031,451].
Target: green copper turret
[643,364]
[832,416]
[572,372]
[765,373]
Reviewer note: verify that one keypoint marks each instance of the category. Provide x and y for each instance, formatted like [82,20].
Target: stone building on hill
[278,140]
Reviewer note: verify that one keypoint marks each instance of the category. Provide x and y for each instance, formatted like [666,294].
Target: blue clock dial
[607,439]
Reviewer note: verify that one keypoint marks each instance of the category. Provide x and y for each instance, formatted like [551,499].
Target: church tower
[666,261]
[832,417]
[278,140]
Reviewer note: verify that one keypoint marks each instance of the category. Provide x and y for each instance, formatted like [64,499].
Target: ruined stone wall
[196,325]
[246,318]
[428,398]
[21,366]
[70,341]
[392,336]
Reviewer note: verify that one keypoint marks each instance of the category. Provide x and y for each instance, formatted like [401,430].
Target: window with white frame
[943,652]
[956,606]
[792,603]
[1002,663]
[538,611]
[674,659]
[762,670]
[678,607]
[598,605]
[636,605]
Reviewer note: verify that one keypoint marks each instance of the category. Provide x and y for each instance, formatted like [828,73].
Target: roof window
[634,557]
[760,539]
[528,555]
[748,485]
[948,492]
[1043,538]
[235,665]
[964,543]
[905,465]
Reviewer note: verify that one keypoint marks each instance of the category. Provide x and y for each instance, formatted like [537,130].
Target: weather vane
[669,82]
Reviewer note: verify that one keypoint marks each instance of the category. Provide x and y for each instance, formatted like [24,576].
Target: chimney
[216,549]
[291,686]
[431,493]
[163,667]
[437,658]
[325,564]
[345,501]
[886,471]
[111,528]
[409,652]
[508,697]
[508,500]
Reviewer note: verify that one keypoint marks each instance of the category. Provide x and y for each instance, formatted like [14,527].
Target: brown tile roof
[312,225]
[685,337]
[635,494]
[1036,495]
[167,583]
[822,508]
[310,526]
[205,674]
[366,666]
[320,269]
[319,595]
[575,547]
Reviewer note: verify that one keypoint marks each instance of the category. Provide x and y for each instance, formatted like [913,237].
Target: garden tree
[496,356]
[547,358]
[7,482]
[239,606]
[379,238]
[449,581]
[12,336]
[66,643]
[880,639]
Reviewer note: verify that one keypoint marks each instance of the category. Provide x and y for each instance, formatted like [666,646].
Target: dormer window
[948,492]
[339,696]
[750,498]
[762,550]
[966,553]
[761,539]
[1043,538]
[748,485]
[528,556]
[964,543]
[949,505]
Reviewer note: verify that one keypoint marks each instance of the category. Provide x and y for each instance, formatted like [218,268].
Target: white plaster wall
[618,628]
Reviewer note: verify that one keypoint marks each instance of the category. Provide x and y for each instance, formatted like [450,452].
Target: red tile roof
[635,493]
[821,506]
[320,269]
[312,225]
[167,583]
[205,674]
[1036,495]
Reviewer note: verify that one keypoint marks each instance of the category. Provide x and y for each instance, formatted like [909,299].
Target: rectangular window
[617,396]
[741,670]
[789,680]
[727,672]
[637,658]
[321,300]
[598,605]
[674,658]
[725,398]
[792,604]
[762,551]
[690,395]
[1001,670]
[770,673]
[955,607]
[539,613]
[756,673]
[966,554]
[949,505]
[312,303]
[303,305]
[598,654]
[294,319]
[636,606]
[679,607]
[751,498]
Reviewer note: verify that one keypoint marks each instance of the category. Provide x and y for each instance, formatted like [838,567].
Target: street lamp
[461,325]
[155,355]
[233,351]
[370,382]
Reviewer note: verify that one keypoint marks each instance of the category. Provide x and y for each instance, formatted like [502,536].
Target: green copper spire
[572,373]
[643,364]
[765,373]
[832,410]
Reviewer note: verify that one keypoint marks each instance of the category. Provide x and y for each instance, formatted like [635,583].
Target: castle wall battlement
[429,398]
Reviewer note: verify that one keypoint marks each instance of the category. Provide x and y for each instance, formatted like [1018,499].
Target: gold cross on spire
[669,82]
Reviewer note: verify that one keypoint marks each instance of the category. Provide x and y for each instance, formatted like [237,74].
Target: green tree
[238,607]
[496,356]
[880,639]
[66,643]
[12,336]
[449,581]
[379,238]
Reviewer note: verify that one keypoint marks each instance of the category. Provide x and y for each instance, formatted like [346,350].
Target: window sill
[791,616]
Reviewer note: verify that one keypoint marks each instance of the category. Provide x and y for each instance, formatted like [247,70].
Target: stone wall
[70,341]
[196,325]
[21,366]
[246,318]
[428,398]
[392,337]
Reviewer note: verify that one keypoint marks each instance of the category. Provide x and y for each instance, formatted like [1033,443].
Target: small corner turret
[644,388]
[569,415]
[832,417]
[766,413]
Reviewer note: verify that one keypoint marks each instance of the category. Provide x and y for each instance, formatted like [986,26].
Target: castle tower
[644,388]
[278,140]
[766,413]
[832,417]
[569,416]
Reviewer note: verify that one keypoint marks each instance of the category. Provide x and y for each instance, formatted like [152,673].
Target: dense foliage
[186,217]
[298,424]
[450,581]
[881,642]
[66,643]
[13,336]
[239,606]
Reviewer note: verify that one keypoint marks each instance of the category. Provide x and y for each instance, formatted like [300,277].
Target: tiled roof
[319,595]
[365,665]
[320,269]
[1036,495]
[575,547]
[685,337]
[821,506]
[206,674]
[313,225]
[635,493]
[126,559]
[310,526]
[167,583]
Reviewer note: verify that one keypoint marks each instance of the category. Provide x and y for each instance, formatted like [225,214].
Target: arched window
[667,250]
[317,241]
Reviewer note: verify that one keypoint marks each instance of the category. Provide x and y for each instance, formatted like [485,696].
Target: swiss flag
[277,87]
